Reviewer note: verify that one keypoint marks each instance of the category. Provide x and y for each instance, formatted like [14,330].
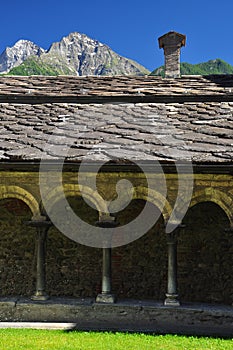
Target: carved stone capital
[39,223]
[107,221]
[172,236]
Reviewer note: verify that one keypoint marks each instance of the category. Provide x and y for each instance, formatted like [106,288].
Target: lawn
[17,339]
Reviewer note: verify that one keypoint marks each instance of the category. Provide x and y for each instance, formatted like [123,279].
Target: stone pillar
[42,227]
[172,294]
[106,295]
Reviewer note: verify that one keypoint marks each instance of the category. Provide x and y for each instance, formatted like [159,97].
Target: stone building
[169,234]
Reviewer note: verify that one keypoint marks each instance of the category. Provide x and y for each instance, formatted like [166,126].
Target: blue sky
[130,28]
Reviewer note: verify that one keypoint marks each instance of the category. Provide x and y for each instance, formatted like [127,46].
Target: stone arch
[22,194]
[151,196]
[155,198]
[76,259]
[218,197]
[204,257]
[17,244]
[76,190]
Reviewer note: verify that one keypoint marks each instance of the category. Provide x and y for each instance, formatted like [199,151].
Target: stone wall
[172,62]
[139,269]
[17,247]
[205,256]
[73,269]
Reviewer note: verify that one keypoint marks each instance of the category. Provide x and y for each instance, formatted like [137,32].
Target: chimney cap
[172,39]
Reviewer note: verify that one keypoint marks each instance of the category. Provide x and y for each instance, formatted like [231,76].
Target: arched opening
[73,269]
[139,269]
[205,256]
[17,249]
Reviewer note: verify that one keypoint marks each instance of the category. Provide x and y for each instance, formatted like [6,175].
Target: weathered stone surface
[139,269]
[171,43]
[155,131]
[199,131]
[126,315]
[106,298]
[205,257]
[17,261]
[219,87]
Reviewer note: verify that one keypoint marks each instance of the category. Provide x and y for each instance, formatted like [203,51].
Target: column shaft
[107,271]
[40,263]
[172,269]
[106,295]
[41,227]
[172,295]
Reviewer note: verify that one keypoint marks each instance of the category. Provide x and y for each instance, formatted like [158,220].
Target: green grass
[35,66]
[17,339]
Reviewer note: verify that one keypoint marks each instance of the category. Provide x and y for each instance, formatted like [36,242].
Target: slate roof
[117,118]
[186,87]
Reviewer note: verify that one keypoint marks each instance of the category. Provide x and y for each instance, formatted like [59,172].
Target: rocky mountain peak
[15,55]
[75,54]
[87,56]
[76,38]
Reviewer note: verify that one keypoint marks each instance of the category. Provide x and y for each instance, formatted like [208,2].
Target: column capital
[43,223]
[107,221]
[172,236]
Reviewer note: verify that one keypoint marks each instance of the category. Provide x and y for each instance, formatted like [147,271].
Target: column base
[105,298]
[171,300]
[40,295]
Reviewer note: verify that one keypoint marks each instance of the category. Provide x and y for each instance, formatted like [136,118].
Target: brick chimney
[171,43]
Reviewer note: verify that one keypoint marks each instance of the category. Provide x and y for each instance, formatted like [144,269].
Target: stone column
[172,294]
[42,227]
[106,295]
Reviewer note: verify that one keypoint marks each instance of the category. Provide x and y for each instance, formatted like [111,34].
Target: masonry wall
[17,248]
[205,253]
[205,256]
[73,269]
[139,269]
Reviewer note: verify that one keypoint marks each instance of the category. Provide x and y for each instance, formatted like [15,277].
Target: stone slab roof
[95,118]
[121,86]
[201,132]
